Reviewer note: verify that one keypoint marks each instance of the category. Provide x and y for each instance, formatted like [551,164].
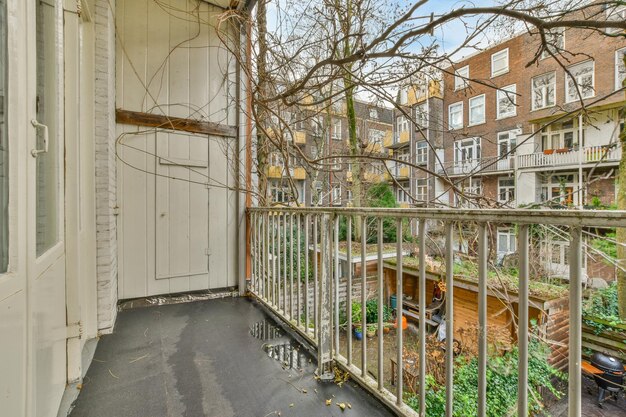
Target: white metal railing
[274,232]
[478,165]
[556,157]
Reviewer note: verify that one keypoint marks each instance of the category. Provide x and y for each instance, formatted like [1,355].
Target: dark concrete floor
[201,359]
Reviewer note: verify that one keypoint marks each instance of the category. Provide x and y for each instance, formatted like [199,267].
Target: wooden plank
[174,123]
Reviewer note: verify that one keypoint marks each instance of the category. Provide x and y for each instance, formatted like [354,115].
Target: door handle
[37,125]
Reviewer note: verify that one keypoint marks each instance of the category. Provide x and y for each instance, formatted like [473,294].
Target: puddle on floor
[288,352]
[265,330]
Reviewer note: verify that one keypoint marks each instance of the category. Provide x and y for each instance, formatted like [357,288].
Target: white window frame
[544,89]
[578,80]
[508,235]
[402,124]
[552,37]
[508,138]
[619,64]
[421,152]
[421,189]
[376,136]
[615,13]
[496,56]
[460,150]
[506,188]
[401,195]
[473,107]
[336,132]
[458,105]
[461,78]
[421,115]
[508,93]
[336,195]
[374,114]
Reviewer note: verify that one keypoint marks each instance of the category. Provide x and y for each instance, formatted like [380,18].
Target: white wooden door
[45,223]
[182,211]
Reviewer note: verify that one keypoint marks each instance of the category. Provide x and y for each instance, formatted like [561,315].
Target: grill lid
[607,363]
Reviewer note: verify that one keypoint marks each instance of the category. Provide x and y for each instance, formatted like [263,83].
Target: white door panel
[182,210]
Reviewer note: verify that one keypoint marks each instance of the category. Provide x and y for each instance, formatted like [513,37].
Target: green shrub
[371,312]
[603,305]
[502,378]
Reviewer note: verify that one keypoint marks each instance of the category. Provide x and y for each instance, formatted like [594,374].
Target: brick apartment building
[511,132]
[321,132]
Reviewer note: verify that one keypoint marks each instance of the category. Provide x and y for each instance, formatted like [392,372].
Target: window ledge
[506,116]
[477,124]
[500,73]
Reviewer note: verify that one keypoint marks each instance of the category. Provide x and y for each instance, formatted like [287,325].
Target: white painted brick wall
[106,181]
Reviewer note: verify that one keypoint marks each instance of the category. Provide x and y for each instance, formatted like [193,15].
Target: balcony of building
[343,273]
[599,155]
[477,166]
[400,139]
[216,356]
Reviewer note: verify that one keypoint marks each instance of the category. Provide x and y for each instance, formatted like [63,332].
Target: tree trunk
[261,113]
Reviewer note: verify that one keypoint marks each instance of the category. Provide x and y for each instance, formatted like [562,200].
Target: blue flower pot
[358,335]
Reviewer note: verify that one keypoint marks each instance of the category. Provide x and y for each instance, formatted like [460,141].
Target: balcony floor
[200,359]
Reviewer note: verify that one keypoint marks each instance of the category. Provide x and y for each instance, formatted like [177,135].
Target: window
[282,192]
[559,189]
[455,116]
[421,115]
[4,148]
[471,188]
[616,13]
[506,190]
[402,124]
[336,195]
[500,63]
[477,110]
[376,136]
[421,189]
[374,114]
[336,134]
[579,84]
[402,193]
[467,150]
[507,142]
[47,164]
[349,195]
[421,152]
[560,136]
[317,125]
[461,78]
[620,69]
[555,42]
[544,91]
[506,241]
[506,100]
[404,96]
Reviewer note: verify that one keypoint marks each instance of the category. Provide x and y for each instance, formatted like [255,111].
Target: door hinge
[74,330]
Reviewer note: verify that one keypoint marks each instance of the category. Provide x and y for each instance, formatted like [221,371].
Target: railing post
[422,317]
[522,322]
[381,353]
[336,283]
[449,320]
[324,320]
[482,319]
[307,256]
[399,301]
[363,296]
[575,321]
[349,291]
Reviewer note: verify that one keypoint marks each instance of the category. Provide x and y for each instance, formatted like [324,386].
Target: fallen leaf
[349,406]
[329,402]
[291,405]
[342,406]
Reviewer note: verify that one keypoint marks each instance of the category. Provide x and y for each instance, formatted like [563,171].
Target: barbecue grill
[611,380]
